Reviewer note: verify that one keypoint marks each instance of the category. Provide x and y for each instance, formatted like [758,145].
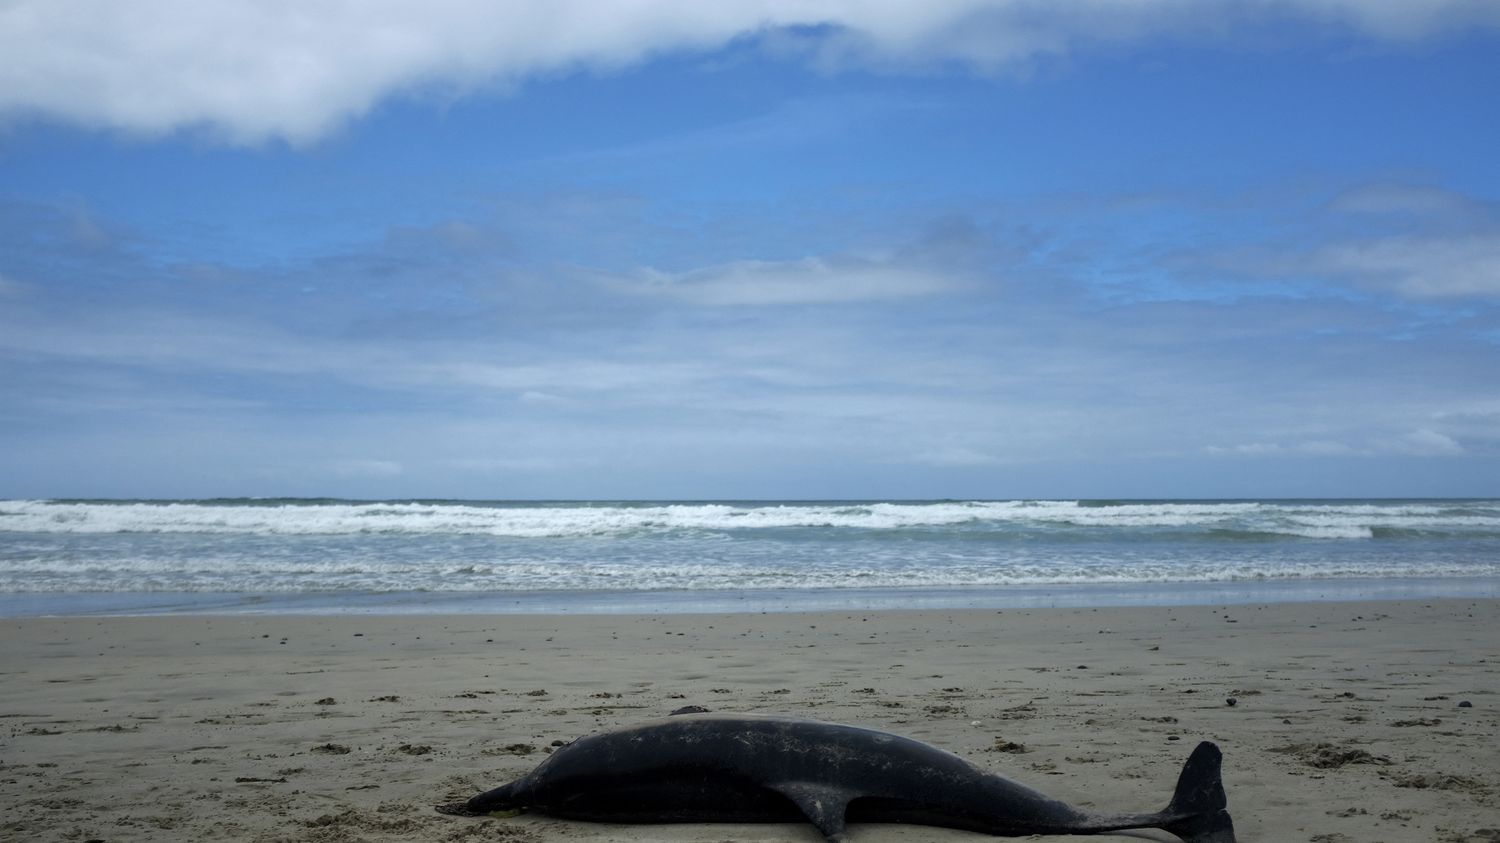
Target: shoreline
[319,728]
[748,601]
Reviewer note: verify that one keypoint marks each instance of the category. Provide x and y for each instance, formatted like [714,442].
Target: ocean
[301,555]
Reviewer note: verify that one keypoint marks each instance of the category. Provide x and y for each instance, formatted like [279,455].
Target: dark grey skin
[745,768]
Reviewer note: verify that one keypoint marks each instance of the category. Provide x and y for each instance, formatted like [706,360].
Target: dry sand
[1347,727]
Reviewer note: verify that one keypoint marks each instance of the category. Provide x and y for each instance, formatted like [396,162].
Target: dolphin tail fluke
[1199,800]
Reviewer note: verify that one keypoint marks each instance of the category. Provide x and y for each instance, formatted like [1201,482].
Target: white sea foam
[1311,520]
[540,520]
[128,575]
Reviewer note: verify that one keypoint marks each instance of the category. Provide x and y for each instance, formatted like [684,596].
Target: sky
[767,249]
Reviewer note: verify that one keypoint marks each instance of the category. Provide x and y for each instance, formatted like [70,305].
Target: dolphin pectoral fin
[824,806]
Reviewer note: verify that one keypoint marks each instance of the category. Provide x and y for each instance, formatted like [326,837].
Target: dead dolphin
[749,768]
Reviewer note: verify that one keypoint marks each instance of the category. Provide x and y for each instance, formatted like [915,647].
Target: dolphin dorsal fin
[823,804]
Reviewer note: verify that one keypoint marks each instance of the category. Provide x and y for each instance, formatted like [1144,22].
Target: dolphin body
[747,768]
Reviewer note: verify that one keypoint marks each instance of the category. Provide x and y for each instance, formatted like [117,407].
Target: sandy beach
[1364,722]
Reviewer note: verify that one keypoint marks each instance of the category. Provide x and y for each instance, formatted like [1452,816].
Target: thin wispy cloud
[1417,443]
[1001,372]
[1422,267]
[1405,198]
[807,281]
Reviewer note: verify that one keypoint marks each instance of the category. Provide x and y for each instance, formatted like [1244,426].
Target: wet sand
[1347,725]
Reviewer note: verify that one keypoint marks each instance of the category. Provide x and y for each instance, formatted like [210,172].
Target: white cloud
[297,69]
[955,457]
[1427,443]
[1396,198]
[505,465]
[808,281]
[1424,267]
[1481,412]
[1398,19]
[1309,448]
[366,468]
[1417,443]
[541,399]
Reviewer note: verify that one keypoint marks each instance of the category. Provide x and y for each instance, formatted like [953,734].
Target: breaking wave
[1228,520]
[289,546]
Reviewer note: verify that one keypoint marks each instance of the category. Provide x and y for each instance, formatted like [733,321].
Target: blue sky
[750,249]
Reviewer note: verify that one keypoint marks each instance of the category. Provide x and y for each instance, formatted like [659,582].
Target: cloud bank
[248,71]
[840,367]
